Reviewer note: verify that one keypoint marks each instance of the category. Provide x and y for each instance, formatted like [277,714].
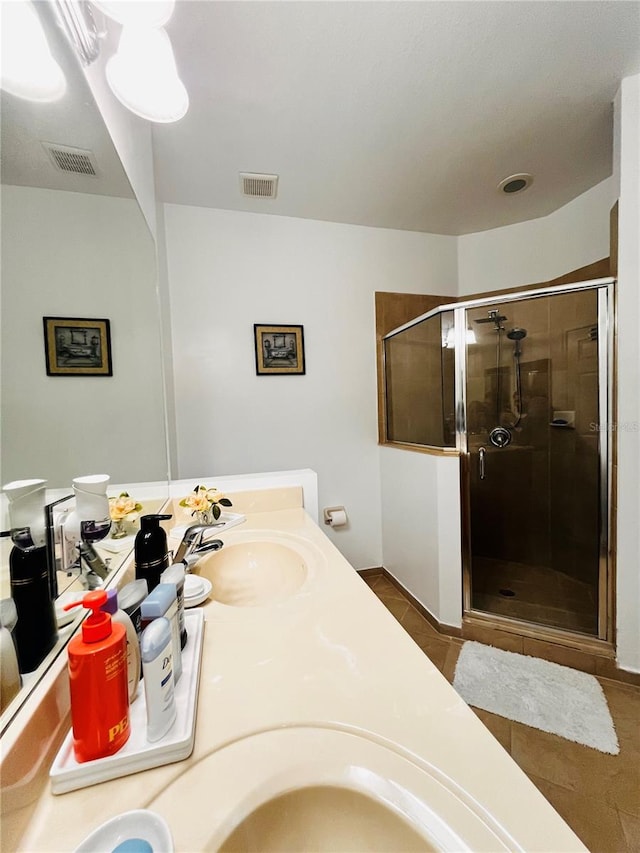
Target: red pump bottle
[98,682]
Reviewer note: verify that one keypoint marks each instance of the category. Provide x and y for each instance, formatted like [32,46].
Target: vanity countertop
[329,654]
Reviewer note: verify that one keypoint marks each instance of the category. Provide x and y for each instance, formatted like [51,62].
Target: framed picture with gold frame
[77,346]
[279,350]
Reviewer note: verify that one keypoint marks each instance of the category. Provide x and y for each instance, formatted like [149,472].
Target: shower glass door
[535,388]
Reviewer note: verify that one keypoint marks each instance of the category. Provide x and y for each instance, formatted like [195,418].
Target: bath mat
[532,691]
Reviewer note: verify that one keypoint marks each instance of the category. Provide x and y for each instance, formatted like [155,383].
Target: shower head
[494,317]
[516,334]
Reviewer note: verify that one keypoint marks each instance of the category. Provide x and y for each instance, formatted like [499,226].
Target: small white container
[159,688]
[141,823]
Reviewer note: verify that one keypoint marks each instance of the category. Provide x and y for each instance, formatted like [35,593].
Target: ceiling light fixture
[143,75]
[29,70]
[137,13]
[515,183]
[76,19]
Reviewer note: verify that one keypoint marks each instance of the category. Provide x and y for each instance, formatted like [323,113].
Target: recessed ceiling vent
[258,186]
[69,159]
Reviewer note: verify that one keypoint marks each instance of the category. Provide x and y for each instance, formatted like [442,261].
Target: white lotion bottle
[156,650]
[133,644]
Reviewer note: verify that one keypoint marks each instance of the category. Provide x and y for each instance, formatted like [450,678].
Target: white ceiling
[396,114]
[392,114]
[74,121]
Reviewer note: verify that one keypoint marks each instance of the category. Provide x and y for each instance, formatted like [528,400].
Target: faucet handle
[192,541]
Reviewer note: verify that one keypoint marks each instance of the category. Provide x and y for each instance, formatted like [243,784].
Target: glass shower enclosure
[520,385]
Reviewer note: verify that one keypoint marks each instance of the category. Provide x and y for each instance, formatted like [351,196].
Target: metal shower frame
[606,326]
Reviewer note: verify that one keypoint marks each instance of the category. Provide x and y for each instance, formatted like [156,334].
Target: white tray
[137,754]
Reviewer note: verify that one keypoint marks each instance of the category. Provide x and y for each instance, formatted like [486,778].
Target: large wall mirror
[74,245]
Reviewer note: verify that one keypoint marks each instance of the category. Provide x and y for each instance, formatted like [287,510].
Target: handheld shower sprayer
[517,335]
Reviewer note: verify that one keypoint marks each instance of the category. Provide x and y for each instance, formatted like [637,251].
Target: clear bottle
[98,683]
[133,645]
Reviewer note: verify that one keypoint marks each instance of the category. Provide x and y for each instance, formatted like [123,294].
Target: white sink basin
[254,573]
[312,789]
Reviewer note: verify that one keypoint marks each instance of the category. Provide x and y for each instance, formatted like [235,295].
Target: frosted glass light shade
[449,341]
[143,76]
[29,70]
[137,13]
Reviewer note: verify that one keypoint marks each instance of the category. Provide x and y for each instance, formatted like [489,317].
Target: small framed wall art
[77,346]
[279,350]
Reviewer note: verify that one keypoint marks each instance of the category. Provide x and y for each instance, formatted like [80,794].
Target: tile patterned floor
[598,795]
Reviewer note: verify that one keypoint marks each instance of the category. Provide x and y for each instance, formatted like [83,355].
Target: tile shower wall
[573,463]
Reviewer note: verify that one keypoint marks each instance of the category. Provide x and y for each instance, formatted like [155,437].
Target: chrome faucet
[193,547]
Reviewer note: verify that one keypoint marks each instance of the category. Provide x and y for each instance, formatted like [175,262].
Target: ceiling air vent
[258,186]
[69,159]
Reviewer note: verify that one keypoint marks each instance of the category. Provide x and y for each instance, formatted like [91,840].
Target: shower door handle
[481,455]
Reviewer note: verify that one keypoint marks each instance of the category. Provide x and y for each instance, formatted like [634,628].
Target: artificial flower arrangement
[122,509]
[206,503]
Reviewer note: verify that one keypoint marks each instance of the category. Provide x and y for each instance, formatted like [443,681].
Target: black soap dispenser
[151,552]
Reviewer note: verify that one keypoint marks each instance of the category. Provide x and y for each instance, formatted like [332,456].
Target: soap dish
[139,824]
[204,591]
[138,753]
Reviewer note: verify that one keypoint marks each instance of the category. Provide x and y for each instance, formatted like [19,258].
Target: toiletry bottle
[9,619]
[9,673]
[130,599]
[89,521]
[159,690]
[10,681]
[175,575]
[36,630]
[133,644]
[98,683]
[151,552]
[163,601]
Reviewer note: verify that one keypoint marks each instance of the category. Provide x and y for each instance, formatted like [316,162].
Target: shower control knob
[500,437]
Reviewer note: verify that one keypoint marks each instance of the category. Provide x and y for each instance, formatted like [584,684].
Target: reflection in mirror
[75,246]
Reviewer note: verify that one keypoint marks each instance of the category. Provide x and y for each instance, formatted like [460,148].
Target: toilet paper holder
[329,518]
